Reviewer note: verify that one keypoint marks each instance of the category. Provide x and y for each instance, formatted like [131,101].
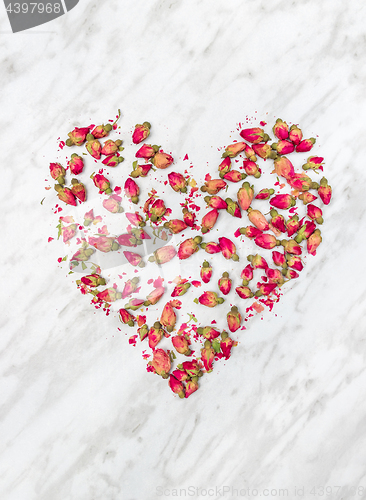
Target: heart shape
[167,260]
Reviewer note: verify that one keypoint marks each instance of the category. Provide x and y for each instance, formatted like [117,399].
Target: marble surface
[80,418]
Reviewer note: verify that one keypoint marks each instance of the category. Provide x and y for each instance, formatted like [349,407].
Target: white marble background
[80,419]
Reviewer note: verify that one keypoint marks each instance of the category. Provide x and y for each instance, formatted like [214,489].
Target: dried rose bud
[225,165]
[140,170]
[126,317]
[209,220]
[265,151]
[226,344]
[244,292]
[68,232]
[163,254]
[78,189]
[291,274]
[191,387]
[134,304]
[305,145]
[108,295]
[233,208]
[180,289]
[267,241]
[175,225]
[257,218]
[188,217]
[250,153]
[177,182]
[314,241]
[111,147]
[278,221]
[208,332]
[314,163]
[279,259]
[58,172]
[154,296]
[77,136]
[168,317]
[250,231]
[180,375]
[93,280]
[132,190]
[283,201]
[215,202]
[295,262]
[247,274]
[283,167]
[102,183]
[162,160]
[210,299]
[161,362]
[206,272]
[254,135]
[76,164]
[101,131]
[130,287]
[283,147]
[275,276]
[135,219]
[207,356]
[245,196]
[234,319]
[225,283]
[189,247]
[291,246]
[65,194]
[141,132]
[157,210]
[325,191]
[176,386]
[305,231]
[307,197]
[127,240]
[257,261]
[82,255]
[295,134]
[192,368]
[264,194]
[211,247]
[228,248]
[315,213]
[181,345]
[251,168]
[213,186]
[292,225]
[139,234]
[156,333]
[234,176]
[143,332]
[134,258]
[94,148]
[234,149]
[112,160]
[302,182]
[147,151]
[265,289]
[280,129]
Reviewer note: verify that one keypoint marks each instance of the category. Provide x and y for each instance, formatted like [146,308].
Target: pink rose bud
[234,149]
[155,334]
[147,151]
[82,255]
[191,387]
[280,129]
[305,145]
[134,258]
[267,241]
[234,176]
[141,132]
[254,135]
[154,296]
[112,160]
[206,272]
[210,299]
[177,182]
[135,219]
[104,243]
[291,246]
[325,191]
[244,292]
[108,295]
[143,332]
[233,208]
[180,289]
[77,136]
[180,375]
[163,254]
[265,151]
[157,210]
[78,189]
[292,225]
[314,241]
[181,345]
[94,148]
[168,317]
[132,190]
[278,221]
[250,153]
[295,134]
[234,319]
[302,182]
[101,131]
[257,218]
[251,168]
[265,289]
[161,362]
[209,220]
[211,247]
[208,332]
[245,196]
[65,194]
[68,232]
[305,231]
[126,317]
[188,217]
[250,231]
[275,276]
[58,172]
[314,163]
[283,167]
[226,344]
[307,197]
[93,280]
[207,356]
[215,202]
[189,247]
[291,274]
[130,287]
[76,164]
[176,386]
[283,201]
[225,165]
[283,147]
[295,262]
[102,183]
[315,213]
[225,283]
[228,248]
[175,225]
[111,147]
[134,304]
[279,258]
[162,160]
[247,274]
[213,186]
[264,194]
[192,368]
[127,240]
[257,261]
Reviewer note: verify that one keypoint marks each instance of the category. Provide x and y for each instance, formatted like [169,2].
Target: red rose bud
[250,153]
[275,276]
[279,259]
[104,243]
[244,292]
[68,232]
[162,160]
[127,240]
[234,319]
[112,160]
[188,217]
[305,145]
[109,295]
[134,259]
[176,386]
[314,241]
[283,167]
[111,147]
[233,208]
[208,332]
[247,274]
[264,194]
[168,317]
[315,213]
[207,356]
[291,274]
[77,136]
[251,168]
[209,220]
[132,190]
[76,164]
[265,289]
[177,182]
[265,151]
[102,183]
[292,225]
[130,287]
[295,262]
[254,135]
[189,247]
[213,186]
[295,134]
[257,261]
[180,289]
[175,225]
[147,151]
[135,219]
[228,248]
[283,201]
[127,317]
[211,247]
[234,176]
[226,344]
[250,231]
[245,196]
[134,304]
[192,368]
[181,345]
[307,197]
[257,218]
[280,129]
[305,231]
[154,296]
[155,334]
[325,191]
[291,246]
[163,254]
[283,147]
[225,165]
[191,387]
[180,375]
[225,283]
[302,182]
[161,362]
[140,170]
[94,148]
[234,149]
[278,221]
[314,163]
[210,299]
[141,132]
[93,280]
[64,194]
[157,210]
[78,189]
[58,172]
[215,202]
[206,272]
[101,131]
[267,241]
